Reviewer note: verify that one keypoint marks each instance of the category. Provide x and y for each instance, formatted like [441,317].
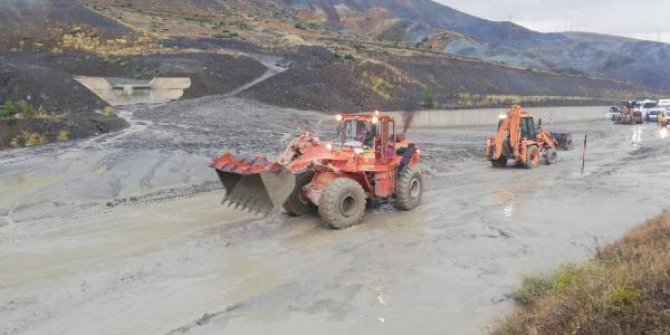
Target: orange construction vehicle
[519,139]
[368,161]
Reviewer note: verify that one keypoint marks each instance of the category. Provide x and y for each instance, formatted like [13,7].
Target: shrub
[532,288]
[429,99]
[8,109]
[108,111]
[63,135]
[26,139]
[25,109]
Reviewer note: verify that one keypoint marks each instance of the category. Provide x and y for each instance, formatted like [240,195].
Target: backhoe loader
[520,140]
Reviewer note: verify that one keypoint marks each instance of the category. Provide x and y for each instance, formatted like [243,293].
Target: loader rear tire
[296,205]
[342,204]
[408,189]
[550,157]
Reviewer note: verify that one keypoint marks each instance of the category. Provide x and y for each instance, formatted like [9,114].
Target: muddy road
[124,234]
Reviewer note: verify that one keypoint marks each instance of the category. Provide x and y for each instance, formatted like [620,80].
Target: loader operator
[363,135]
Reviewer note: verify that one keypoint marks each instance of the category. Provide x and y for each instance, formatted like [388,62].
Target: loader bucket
[254,183]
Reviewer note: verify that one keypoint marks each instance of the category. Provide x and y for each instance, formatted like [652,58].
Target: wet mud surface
[123,233]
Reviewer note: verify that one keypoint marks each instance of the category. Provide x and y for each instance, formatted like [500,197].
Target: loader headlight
[338,117]
[375,120]
[502,116]
[358,151]
[329,146]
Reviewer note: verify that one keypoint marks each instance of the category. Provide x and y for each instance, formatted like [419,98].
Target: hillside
[325,55]
[422,23]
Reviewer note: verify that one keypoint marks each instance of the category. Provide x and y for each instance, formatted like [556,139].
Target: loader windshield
[357,133]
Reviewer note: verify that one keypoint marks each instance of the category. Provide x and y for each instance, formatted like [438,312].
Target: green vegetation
[429,98]
[225,34]
[108,111]
[624,290]
[21,108]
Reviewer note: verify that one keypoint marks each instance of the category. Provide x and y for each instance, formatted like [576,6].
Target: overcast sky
[643,19]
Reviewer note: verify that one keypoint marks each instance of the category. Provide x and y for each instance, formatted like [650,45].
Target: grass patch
[76,38]
[63,135]
[625,289]
[26,139]
[20,109]
[108,111]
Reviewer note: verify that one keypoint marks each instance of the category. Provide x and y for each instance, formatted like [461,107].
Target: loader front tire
[408,189]
[342,204]
[296,204]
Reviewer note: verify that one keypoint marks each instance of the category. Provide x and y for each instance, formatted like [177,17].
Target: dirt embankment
[624,290]
[45,81]
[331,82]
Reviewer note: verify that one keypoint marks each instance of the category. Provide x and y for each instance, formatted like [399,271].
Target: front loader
[368,161]
[520,140]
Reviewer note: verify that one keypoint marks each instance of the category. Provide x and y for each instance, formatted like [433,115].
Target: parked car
[650,110]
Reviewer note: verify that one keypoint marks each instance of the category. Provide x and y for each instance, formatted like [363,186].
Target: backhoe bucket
[564,141]
[254,183]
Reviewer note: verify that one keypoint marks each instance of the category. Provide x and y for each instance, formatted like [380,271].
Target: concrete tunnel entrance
[122,92]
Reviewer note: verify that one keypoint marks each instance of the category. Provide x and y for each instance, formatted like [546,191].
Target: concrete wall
[132,92]
[489,116]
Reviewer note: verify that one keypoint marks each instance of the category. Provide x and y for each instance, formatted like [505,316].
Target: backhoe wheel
[550,157]
[296,204]
[532,157]
[501,162]
[408,189]
[342,204]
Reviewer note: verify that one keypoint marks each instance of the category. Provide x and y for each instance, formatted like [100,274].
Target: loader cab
[375,133]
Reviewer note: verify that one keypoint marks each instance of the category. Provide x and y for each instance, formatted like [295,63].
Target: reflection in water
[512,198]
[636,137]
[664,133]
[508,210]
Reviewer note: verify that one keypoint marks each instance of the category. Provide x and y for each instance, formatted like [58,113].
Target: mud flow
[124,233]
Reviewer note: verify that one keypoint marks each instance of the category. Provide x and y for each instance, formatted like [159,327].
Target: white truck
[665,104]
[650,110]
